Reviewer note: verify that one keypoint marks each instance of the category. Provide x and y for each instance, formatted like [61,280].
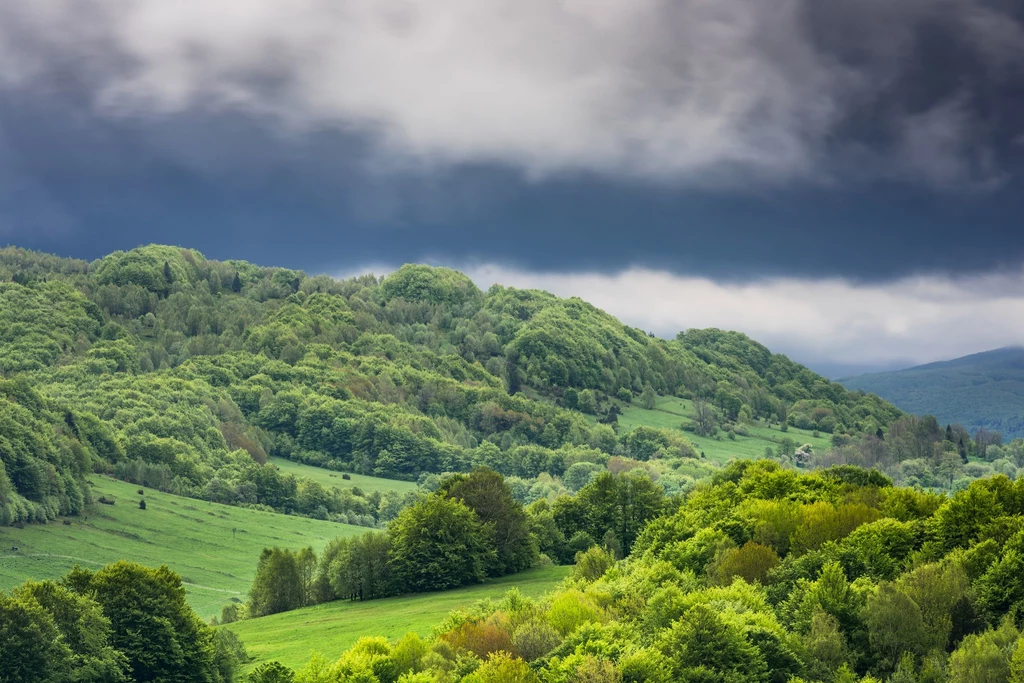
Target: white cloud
[823,321]
[698,91]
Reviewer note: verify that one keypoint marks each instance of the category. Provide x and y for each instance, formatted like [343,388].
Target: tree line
[470,529]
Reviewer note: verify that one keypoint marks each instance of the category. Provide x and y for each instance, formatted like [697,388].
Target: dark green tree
[151,622]
[439,543]
[485,492]
[277,586]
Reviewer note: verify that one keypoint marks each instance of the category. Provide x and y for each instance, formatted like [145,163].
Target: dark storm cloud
[691,91]
[741,137]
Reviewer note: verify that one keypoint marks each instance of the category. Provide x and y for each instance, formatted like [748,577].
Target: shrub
[502,668]
[534,639]
[480,638]
[571,609]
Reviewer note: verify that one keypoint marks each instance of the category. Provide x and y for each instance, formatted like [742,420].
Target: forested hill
[981,391]
[181,373]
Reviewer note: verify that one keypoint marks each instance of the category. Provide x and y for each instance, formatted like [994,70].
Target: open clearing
[330,478]
[671,412]
[333,627]
[214,547]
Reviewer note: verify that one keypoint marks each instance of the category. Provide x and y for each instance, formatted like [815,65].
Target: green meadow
[331,628]
[329,478]
[213,547]
[671,412]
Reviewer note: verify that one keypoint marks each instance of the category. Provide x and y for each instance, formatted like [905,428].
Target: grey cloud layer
[816,321]
[706,92]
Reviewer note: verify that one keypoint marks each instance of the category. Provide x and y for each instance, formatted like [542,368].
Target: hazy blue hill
[981,390]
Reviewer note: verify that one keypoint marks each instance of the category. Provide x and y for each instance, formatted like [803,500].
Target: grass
[670,412]
[331,478]
[214,547]
[332,628]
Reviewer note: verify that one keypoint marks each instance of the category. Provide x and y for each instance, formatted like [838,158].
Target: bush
[534,639]
[480,638]
[502,668]
[105,500]
[624,395]
[142,504]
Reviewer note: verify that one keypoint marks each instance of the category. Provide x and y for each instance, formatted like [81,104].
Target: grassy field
[671,412]
[214,547]
[331,478]
[331,628]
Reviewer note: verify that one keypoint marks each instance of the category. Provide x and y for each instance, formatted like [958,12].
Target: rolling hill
[981,390]
[182,374]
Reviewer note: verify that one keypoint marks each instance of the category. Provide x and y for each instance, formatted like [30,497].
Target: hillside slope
[183,374]
[213,547]
[980,390]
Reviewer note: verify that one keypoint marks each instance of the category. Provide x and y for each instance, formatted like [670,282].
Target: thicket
[762,574]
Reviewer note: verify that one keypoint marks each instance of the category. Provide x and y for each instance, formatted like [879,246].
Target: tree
[83,627]
[648,398]
[277,586]
[701,645]
[151,622]
[592,564]
[704,417]
[587,402]
[751,562]
[236,283]
[579,475]
[485,492]
[949,466]
[439,543]
[272,672]
[984,657]
[360,567]
[168,275]
[31,647]
[895,625]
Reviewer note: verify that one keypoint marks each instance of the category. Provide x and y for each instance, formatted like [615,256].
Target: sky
[842,180]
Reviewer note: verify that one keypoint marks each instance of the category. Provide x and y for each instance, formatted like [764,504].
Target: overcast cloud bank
[816,322]
[705,92]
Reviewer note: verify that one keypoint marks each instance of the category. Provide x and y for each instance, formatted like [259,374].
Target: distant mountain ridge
[980,390]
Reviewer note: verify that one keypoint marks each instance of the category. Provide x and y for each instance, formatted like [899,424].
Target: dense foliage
[761,574]
[122,624]
[169,370]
